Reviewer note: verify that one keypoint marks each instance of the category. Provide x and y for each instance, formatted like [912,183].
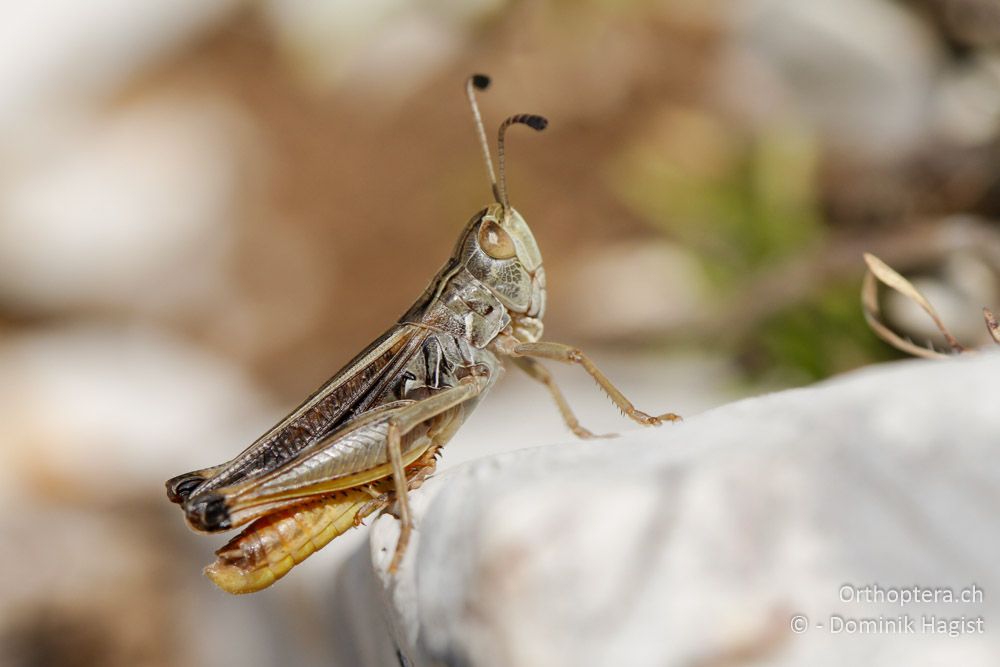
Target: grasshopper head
[499,249]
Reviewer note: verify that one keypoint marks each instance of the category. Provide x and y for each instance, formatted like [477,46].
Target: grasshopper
[373,432]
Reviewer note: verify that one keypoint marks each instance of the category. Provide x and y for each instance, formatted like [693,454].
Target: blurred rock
[968,102]
[117,582]
[696,543]
[135,211]
[969,22]
[382,50]
[83,591]
[96,566]
[59,60]
[634,289]
[859,69]
[98,413]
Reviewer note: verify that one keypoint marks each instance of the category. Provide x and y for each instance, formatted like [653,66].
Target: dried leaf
[888,275]
[877,269]
[992,324]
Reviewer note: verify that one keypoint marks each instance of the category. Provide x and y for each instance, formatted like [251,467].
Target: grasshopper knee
[208,513]
[181,487]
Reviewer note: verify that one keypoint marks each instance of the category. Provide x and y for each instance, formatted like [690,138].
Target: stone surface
[697,543]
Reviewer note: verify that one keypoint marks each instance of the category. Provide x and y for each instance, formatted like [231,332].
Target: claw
[650,420]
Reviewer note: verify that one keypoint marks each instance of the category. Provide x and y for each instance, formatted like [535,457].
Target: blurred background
[207,207]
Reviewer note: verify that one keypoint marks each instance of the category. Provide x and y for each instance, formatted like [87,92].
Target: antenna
[537,123]
[473,83]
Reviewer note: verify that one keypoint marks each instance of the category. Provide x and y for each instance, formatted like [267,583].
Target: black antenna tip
[480,81]
[529,119]
[536,122]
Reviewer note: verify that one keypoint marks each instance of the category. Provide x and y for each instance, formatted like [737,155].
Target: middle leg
[571,355]
[540,373]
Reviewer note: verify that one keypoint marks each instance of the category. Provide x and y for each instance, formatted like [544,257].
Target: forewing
[352,456]
[355,389]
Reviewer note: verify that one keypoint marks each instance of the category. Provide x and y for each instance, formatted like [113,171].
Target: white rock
[697,543]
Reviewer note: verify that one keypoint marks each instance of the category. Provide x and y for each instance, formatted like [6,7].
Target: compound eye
[496,242]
